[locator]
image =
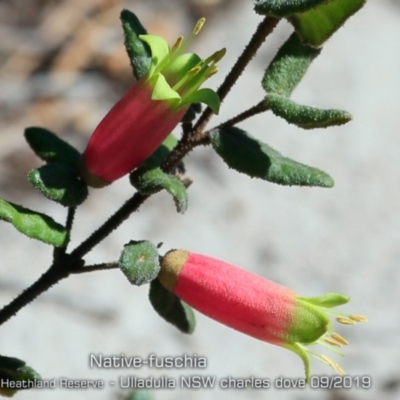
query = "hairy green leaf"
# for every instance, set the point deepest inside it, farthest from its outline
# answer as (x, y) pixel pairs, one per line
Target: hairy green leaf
(138, 52)
(283, 8)
(159, 156)
(139, 262)
(305, 117)
(254, 158)
(171, 308)
(33, 224)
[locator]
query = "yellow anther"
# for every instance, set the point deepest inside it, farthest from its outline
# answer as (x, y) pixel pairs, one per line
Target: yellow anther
(215, 57)
(333, 364)
(211, 71)
(345, 321)
(358, 318)
(199, 25)
(333, 342)
(177, 44)
(339, 338)
(194, 71)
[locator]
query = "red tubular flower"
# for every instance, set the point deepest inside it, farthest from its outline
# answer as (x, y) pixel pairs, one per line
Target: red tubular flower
(146, 115)
(254, 305)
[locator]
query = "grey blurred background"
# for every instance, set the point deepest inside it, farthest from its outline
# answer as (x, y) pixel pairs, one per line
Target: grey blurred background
(63, 65)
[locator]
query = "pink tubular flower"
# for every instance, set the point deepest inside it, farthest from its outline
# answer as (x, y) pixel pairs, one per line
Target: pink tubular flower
(255, 306)
(150, 110)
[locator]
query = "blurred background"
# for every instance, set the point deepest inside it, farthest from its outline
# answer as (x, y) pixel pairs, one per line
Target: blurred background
(63, 65)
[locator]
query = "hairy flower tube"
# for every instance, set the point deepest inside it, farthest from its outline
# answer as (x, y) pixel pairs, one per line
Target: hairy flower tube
(140, 121)
(256, 306)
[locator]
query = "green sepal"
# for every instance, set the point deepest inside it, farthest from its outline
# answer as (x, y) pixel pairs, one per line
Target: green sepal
(159, 156)
(155, 180)
(288, 66)
(15, 370)
(172, 308)
(317, 25)
(284, 8)
(139, 261)
(305, 117)
(33, 224)
(328, 300)
(59, 183)
(50, 148)
(245, 154)
(139, 52)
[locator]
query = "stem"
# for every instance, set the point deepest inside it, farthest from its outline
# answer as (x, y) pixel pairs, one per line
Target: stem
(96, 267)
(263, 30)
(257, 109)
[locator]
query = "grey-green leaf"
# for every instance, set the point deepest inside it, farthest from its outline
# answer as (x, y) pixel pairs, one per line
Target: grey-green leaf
(14, 370)
(49, 147)
(171, 308)
(283, 8)
(33, 224)
(155, 180)
(306, 117)
(139, 261)
(245, 154)
(139, 52)
(289, 66)
(59, 183)
(319, 24)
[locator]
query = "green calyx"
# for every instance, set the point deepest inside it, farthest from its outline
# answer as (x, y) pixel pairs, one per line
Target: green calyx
(176, 77)
(311, 324)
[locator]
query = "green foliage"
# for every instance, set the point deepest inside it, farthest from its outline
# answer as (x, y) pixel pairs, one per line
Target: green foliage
(305, 117)
(141, 394)
(155, 180)
(171, 308)
(284, 8)
(139, 262)
(50, 148)
(138, 52)
(159, 156)
(15, 370)
(288, 66)
(60, 183)
(254, 158)
(33, 224)
(319, 24)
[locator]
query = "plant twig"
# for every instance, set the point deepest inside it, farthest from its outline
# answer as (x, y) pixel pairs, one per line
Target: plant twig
(95, 267)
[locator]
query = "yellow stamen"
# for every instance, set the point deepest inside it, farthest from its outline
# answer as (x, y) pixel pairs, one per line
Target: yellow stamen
(358, 318)
(177, 44)
(211, 71)
(333, 364)
(200, 23)
(333, 342)
(194, 70)
(217, 56)
(345, 321)
(339, 338)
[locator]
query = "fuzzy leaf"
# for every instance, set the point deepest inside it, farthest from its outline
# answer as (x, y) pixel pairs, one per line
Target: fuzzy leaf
(14, 370)
(138, 51)
(50, 148)
(289, 66)
(59, 183)
(258, 160)
(155, 180)
(158, 157)
(139, 262)
(306, 117)
(171, 308)
(33, 224)
(317, 25)
(283, 8)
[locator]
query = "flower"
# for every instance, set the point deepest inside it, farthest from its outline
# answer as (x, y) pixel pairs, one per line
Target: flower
(256, 306)
(140, 121)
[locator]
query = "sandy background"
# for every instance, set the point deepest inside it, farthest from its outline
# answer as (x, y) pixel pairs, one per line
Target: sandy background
(343, 239)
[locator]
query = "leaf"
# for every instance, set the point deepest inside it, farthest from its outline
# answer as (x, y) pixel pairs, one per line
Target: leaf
(317, 25)
(155, 180)
(139, 262)
(59, 183)
(283, 8)
(138, 52)
(33, 224)
(141, 394)
(12, 371)
(49, 147)
(171, 308)
(159, 156)
(289, 66)
(306, 117)
(258, 160)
